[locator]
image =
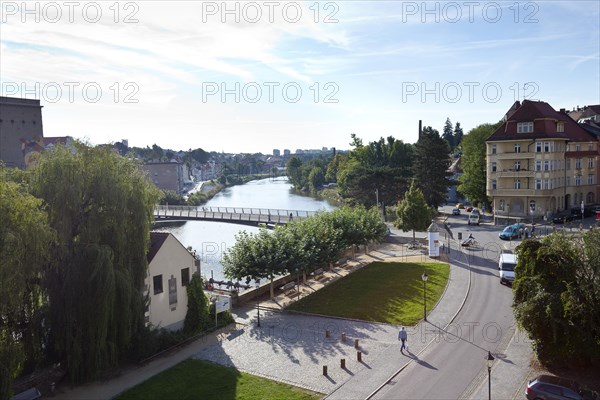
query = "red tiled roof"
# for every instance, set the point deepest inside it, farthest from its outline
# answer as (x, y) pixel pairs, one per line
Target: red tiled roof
(539, 110)
(156, 241)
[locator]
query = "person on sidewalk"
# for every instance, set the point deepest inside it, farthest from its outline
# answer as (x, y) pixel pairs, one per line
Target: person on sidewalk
(402, 336)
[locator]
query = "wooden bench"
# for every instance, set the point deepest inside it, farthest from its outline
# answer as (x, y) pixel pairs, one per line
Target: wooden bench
(289, 288)
(319, 275)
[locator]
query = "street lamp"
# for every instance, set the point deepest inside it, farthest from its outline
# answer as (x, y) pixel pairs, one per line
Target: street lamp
(258, 304)
(490, 361)
(424, 277)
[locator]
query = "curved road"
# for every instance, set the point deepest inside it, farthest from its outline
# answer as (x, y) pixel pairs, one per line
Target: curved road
(455, 365)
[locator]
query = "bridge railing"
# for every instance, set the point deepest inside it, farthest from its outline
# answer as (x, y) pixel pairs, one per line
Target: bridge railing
(232, 213)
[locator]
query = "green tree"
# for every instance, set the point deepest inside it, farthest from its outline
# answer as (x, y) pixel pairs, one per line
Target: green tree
(25, 241)
(172, 198)
(316, 179)
(197, 317)
(431, 166)
(413, 212)
(448, 134)
(458, 134)
(472, 182)
(294, 166)
(557, 296)
(101, 206)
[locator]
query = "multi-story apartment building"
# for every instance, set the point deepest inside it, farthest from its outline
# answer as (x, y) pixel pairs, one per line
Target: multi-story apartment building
(165, 175)
(21, 130)
(540, 162)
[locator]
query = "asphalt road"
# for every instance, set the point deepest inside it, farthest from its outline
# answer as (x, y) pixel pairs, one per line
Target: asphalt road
(455, 365)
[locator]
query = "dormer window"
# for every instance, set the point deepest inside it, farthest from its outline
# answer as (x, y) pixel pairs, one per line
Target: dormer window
(524, 127)
(560, 126)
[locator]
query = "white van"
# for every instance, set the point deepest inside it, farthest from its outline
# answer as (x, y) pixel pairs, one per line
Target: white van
(506, 266)
(474, 218)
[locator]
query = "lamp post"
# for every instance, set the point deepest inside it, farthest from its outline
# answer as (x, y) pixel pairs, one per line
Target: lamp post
(424, 277)
(490, 361)
(298, 273)
(508, 213)
(257, 304)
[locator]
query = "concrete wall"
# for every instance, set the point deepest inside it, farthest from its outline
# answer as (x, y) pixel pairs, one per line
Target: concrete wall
(168, 262)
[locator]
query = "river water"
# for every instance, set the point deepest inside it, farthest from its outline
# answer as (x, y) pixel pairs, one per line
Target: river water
(211, 239)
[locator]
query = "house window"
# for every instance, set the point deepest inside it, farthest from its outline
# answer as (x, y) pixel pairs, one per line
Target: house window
(568, 182)
(577, 180)
(517, 165)
(590, 163)
(524, 127)
(493, 149)
(538, 147)
(546, 147)
(517, 184)
(173, 293)
(578, 163)
(546, 165)
(538, 184)
(546, 184)
(158, 284)
(538, 165)
(568, 164)
(590, 179)
(577, 147)
(590, 146)
(501, 206)
(494, 184)
(560, 127)
(517, 148)
(493, 167)
(185, 276)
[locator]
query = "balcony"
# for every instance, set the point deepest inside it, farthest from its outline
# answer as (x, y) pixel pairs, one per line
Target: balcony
(513, 156)
(518, 192)
(514, 173)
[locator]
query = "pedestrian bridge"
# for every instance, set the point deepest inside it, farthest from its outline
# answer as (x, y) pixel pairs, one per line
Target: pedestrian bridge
(236, 215)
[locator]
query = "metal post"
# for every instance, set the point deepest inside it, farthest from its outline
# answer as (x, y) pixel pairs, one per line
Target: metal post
(425, 300)
(489, 383)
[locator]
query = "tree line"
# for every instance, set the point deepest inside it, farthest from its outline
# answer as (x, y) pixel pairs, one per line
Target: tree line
(382, 170)
(302, 246)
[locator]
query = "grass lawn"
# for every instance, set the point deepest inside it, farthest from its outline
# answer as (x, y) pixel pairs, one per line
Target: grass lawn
(196, 379)
(380, 292)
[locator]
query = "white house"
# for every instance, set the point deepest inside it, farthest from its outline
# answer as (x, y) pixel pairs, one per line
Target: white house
(170, 269)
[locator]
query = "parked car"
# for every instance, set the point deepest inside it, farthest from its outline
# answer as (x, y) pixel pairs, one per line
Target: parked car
(506, 267)
(469, 209)
(561, 219)
(460, 206)
(476, 211)
(456, 211)
(511, 232)
(548, 387)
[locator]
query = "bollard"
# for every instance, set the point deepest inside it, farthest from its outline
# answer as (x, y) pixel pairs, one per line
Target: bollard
(343, 363)
(359, 356)
(327, 333)
(356, 343)
(325, 370)
(343, 336)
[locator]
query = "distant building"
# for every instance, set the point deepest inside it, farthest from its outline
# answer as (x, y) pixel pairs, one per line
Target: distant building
(165, 175)
(21, 130)
(287, 152)
(170, 269)
(540, 161)
(276, 152)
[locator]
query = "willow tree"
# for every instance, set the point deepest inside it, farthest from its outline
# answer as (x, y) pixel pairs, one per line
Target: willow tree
(100, 205)
(25, 238)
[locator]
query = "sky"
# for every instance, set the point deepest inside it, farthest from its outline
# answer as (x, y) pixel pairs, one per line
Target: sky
(256, 76)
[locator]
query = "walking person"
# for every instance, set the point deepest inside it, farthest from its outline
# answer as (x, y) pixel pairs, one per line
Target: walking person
(403, 337)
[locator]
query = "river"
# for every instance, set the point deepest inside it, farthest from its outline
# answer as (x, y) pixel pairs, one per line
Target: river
(211, 239)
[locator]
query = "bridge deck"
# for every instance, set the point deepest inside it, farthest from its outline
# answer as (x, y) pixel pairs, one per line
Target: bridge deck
(240, 215)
